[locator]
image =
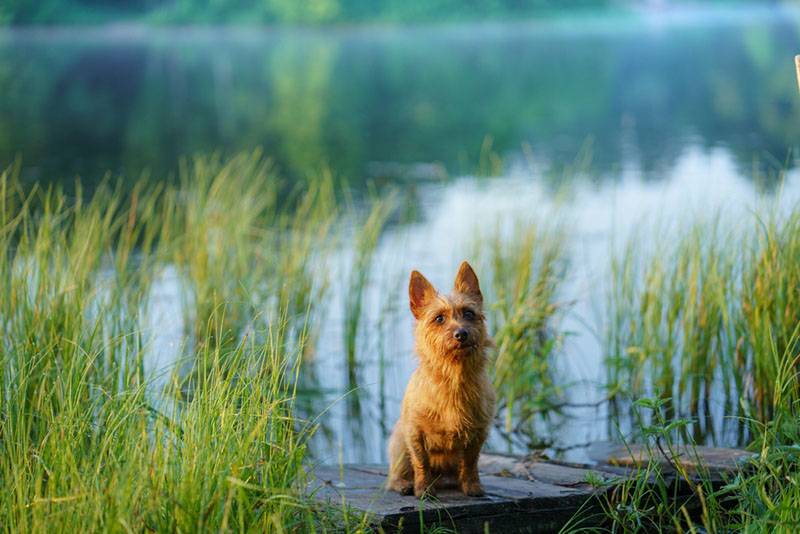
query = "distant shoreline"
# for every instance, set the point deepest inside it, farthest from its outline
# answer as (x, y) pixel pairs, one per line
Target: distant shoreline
(658, 11)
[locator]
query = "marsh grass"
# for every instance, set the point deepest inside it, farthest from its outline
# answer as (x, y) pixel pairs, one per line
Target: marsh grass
(701, 318)
(766, 493)
(527, 266)
(761, 495)
(655, 496)
(241, 240)
(89, 441)
(366, 241)
(708, 317)
(85, 442)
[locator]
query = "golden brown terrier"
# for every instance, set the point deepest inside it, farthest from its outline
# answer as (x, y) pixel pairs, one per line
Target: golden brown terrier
(449, 403)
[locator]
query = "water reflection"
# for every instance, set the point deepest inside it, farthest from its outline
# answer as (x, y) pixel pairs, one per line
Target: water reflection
(601, 218)
(363, 100)
(359, 403)
(605, 123)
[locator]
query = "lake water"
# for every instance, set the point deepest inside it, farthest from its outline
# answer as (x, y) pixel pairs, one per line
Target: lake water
(603, 122)
(387, 103)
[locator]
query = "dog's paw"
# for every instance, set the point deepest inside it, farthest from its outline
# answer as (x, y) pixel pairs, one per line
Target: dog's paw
(424, 490)
(403, 487)
(473, 489)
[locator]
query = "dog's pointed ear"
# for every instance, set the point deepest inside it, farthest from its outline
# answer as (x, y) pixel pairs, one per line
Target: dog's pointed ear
(420, 293)
(467, 282)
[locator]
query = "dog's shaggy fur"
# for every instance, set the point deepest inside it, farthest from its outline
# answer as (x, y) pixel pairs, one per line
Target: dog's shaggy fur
(449, 402)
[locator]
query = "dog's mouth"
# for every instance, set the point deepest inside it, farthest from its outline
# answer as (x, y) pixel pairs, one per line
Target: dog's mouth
(462, 347)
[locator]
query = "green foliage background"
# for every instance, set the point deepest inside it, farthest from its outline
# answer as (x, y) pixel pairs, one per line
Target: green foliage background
(20, 12)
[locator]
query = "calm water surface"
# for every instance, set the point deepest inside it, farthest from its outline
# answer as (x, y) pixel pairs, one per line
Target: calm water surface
(601, 122)
(390, 103)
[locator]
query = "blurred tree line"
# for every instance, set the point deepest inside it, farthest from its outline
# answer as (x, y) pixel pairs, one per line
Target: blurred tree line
(349, 100)
(19, 12)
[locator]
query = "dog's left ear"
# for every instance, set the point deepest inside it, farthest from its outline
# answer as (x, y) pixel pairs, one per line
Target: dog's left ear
(467, 282)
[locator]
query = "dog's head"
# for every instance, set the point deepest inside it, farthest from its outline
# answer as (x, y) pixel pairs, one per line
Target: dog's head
(450, 325)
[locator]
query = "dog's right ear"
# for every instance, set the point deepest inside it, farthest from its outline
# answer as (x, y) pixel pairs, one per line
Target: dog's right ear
(420, 293)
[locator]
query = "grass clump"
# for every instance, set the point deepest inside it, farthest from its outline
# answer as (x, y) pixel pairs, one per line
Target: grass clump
(527, 268)
(241, 240)
(90, 440)
(665, 494)
(366, 243)
(700, 320)
(660, 493)
(766, 494)
(86, 442)
(706, 325)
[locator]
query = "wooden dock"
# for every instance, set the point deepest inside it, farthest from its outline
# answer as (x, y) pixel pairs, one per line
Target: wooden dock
(522, 494)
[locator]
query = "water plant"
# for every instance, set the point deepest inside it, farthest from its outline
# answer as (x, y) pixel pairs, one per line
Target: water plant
(85, 442)
(527, 267)
(709, 318)
(365, 244)
(700, 318)
(90, 439)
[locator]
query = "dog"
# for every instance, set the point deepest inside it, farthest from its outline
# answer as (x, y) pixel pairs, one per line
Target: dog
(448, 405)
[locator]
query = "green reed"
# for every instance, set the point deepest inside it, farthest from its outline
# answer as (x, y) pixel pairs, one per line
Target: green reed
(766, 493)
(365, 245)
(240, 239)
(700, 317)
(522, 293)
(86, 443)
(708, 313)
(761, 495)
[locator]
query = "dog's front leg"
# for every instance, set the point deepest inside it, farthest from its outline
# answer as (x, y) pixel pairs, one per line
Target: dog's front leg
(419, 461)
(468, 469)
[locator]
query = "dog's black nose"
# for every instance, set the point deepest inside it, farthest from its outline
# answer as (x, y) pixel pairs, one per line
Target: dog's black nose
(461, 335)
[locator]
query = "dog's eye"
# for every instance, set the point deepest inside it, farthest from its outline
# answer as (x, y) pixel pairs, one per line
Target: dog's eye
(469, 315)
(439, 318)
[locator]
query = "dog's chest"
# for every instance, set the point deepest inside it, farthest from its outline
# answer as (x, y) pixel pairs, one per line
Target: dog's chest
(443, 442)
(453, 419)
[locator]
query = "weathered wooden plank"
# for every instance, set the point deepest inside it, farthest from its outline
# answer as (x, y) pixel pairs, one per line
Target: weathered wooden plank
(536, 469)
(522, 494)
(511, 504)
(690, 458)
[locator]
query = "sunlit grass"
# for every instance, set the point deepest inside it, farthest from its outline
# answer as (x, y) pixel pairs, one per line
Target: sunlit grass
(701, 316)
(85, 443)
(526, 267)
(709, 317)
(88, 442)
